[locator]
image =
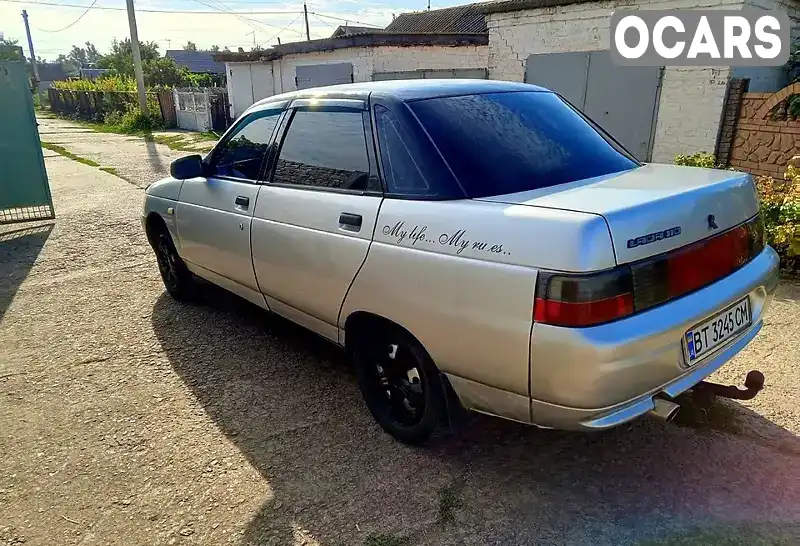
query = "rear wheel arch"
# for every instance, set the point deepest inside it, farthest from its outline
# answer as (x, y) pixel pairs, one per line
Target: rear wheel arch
(360, 322)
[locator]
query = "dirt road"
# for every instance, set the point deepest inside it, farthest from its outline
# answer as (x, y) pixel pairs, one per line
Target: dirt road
(128, 418)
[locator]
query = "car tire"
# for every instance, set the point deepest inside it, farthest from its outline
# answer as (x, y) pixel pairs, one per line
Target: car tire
(403, 389)
(178, 280)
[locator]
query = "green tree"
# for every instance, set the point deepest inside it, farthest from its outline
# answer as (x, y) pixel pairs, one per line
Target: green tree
(190, 46)
(214, 49)
(163, 72)
(84, 57)
(121, 56)
(11, 51)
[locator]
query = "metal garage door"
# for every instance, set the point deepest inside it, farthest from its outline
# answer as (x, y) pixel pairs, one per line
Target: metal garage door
(240, 88)
(318, 75)
(622, 99)
(469, 73)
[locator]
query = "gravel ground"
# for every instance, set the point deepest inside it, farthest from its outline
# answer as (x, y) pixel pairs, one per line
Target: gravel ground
(128, 418)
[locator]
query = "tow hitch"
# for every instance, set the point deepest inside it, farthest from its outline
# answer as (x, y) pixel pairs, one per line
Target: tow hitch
(705, 391)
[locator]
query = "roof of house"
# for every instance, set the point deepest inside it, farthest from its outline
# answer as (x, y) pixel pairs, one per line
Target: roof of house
(51, 72)
(196, 62)
(500, 6)
(373, 39)
(405, 90)
(467, 19)
(346, 30)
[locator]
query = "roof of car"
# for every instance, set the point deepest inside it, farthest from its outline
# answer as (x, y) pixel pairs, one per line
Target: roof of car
(405, 90)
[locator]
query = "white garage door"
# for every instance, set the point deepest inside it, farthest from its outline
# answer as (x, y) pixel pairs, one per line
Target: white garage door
(621, 99)
(240, 88)
(319, 75)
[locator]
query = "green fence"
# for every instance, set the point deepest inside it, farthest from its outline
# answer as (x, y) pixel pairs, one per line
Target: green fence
(24, 191)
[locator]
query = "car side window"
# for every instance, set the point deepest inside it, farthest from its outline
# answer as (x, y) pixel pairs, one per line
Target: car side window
(324, 149)
(400, 170)
(242, 153)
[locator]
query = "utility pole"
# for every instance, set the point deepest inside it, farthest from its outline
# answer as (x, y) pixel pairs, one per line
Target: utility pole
(305, 14)
(137, 57)
(30, 47)
(429, 5)
(254, 38)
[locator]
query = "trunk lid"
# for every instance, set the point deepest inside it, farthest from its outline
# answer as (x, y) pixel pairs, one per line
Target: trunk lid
(653, 208)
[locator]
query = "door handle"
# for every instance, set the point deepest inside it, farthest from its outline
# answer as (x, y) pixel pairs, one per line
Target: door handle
(242, 201)
(348, 219)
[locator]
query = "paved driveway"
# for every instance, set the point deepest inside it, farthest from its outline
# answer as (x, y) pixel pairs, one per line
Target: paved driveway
(128, 418)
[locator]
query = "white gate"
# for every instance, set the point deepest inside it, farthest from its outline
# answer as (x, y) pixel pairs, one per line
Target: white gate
(193, 109)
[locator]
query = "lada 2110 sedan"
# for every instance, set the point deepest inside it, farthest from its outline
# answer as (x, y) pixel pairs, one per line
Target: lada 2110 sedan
(475, 242)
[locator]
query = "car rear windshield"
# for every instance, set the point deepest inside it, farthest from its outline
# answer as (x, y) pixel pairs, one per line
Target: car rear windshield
(502, 143)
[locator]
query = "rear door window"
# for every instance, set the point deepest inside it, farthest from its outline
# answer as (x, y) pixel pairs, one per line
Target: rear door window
(324, 149)
(501, 143)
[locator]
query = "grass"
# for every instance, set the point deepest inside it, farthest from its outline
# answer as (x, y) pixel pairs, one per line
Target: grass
(114, 171)
(66, 153)
(185, 142)
(385, 540)
(449, 502)
(60, 150)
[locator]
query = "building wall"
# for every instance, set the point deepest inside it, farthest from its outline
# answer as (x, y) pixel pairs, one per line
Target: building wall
(769, 79)
(692, 98)
(368, 60)
(278, 76)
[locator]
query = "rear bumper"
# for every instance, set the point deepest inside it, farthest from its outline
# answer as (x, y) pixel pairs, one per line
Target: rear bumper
(599, 377)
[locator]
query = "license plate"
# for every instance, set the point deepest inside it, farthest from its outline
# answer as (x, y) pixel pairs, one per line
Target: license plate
(706, 337)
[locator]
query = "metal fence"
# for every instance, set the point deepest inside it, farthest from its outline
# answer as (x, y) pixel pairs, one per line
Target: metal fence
(202, 109)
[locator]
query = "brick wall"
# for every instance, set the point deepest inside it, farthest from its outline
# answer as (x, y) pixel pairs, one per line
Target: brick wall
(761, 144)
(692, 98)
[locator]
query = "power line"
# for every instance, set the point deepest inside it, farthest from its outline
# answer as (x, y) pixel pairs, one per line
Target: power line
(73, 23)
(279, 32)
(227, 10)
(337, 19)
(145, 10)
(322, 21)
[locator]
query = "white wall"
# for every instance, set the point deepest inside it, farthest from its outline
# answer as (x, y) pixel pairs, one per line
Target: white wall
(250, 82)
(692, 98)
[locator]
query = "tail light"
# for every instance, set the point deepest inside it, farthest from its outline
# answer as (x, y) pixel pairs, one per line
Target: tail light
(592, 299)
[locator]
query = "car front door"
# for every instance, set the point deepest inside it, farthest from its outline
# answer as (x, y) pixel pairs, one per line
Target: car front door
(215, 212)
(315, 219)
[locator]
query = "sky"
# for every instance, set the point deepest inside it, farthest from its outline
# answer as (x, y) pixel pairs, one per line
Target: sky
(55, 28)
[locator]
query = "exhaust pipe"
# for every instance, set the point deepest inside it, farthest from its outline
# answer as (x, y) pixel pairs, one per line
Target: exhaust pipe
(664, 409)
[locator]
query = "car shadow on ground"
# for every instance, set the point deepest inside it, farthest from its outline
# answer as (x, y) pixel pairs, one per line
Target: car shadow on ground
(19, 248)
(289, 401)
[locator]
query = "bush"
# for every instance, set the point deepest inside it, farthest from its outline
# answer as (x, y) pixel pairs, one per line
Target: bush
(780, 209)
(700, 159)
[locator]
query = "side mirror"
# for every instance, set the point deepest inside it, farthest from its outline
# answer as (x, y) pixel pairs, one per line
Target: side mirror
(190, 166)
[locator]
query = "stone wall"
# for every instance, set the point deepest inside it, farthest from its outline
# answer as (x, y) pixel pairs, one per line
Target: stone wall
(765, 137)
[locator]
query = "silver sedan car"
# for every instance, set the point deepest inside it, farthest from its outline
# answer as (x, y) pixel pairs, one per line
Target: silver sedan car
(473, 243)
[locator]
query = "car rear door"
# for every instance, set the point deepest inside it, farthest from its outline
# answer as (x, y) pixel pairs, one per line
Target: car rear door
(315, 219)
(214, 213)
